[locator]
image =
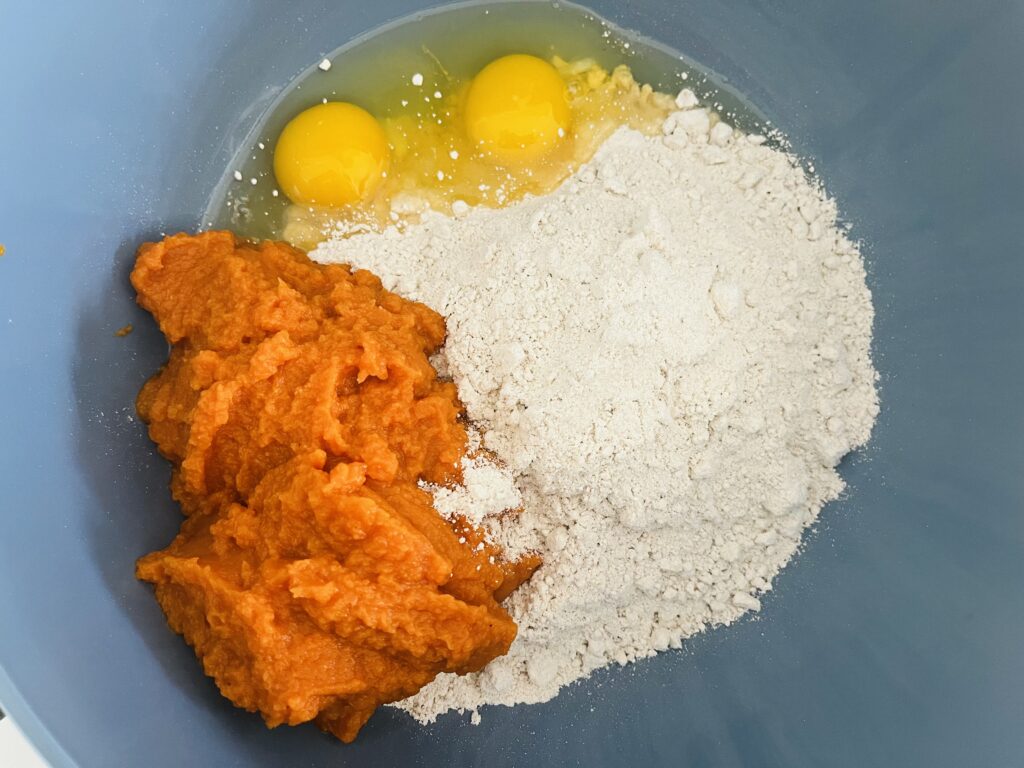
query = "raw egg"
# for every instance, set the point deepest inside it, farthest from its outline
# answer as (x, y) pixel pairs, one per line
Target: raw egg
(333, 155)
(517, 108)
(517, 127)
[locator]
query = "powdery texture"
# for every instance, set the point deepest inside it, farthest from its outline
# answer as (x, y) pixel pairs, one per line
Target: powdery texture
(487, 492)
(671, 355)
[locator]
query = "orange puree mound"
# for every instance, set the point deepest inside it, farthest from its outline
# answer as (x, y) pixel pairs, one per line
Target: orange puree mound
(312, 575)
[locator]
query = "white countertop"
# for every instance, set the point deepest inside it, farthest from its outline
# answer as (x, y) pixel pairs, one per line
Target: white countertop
(15, 751)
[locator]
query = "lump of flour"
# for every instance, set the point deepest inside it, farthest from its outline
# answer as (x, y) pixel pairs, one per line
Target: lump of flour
(670, 355)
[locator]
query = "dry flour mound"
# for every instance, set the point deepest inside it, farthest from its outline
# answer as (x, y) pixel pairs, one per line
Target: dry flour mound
(671, 355)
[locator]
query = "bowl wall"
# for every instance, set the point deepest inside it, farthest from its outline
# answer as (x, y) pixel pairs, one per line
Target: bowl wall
(894, 638)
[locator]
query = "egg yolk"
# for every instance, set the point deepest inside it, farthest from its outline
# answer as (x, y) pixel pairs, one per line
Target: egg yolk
(517, 108)
(331, 155)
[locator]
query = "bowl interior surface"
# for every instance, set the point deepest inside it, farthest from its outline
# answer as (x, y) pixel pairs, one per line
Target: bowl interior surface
(893, 639)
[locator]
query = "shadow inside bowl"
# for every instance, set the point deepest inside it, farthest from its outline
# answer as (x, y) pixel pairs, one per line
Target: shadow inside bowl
(127, 476)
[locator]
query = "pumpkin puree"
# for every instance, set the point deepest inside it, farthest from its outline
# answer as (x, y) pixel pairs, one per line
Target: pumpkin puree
(312, 575)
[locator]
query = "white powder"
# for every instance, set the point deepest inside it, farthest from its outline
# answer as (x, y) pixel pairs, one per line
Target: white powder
(671, 354)
(487, 492)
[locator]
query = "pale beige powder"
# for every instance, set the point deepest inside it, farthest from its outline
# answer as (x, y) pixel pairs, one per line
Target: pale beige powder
(670, 353)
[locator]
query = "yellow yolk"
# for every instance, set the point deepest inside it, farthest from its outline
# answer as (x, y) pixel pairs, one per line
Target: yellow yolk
(333, 154)
(517, 108)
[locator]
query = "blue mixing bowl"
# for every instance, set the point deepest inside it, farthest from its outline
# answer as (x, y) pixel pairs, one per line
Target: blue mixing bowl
(895, 638)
